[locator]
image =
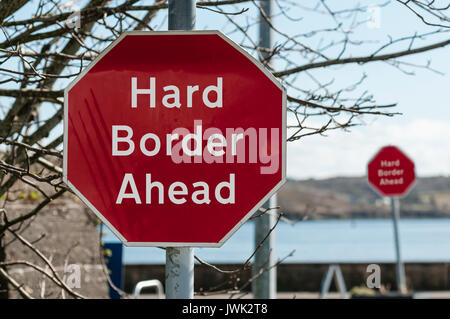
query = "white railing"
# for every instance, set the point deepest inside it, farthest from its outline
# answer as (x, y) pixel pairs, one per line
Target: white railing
(148, 284)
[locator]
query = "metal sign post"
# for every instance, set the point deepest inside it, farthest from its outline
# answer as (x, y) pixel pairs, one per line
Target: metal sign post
(395, 204)
(179, 273)
(180, 261)
(264, 286)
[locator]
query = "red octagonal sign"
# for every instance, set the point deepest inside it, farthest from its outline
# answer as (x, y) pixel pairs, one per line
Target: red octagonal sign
(391, 172)
(174, 138)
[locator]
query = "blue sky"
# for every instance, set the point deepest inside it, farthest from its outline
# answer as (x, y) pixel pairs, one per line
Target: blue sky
(422, 131)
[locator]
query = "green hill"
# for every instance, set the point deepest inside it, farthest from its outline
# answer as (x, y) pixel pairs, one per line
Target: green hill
(352, 197)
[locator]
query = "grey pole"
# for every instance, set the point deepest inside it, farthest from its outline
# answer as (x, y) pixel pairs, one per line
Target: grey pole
(179, 273)
(395, 203)
(181, 14)
(180, 261)
(265, 286)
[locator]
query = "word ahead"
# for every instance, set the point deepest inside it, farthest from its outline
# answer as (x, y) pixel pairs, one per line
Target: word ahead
(391, 172)
(177, 191)
(174, 147)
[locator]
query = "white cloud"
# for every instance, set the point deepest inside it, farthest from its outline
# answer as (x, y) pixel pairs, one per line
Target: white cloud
(426, 141)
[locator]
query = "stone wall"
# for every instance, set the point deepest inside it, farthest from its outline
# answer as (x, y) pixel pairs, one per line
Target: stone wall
(66, 233)
(303, 277)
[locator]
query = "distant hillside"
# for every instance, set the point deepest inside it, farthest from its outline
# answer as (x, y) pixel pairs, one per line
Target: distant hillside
(340, 197)
(350, 197)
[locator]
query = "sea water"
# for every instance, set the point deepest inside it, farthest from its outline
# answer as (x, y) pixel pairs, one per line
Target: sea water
(325, 241)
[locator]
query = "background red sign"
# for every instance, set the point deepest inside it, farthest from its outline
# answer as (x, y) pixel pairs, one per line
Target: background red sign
(228, 89)
(391, 172)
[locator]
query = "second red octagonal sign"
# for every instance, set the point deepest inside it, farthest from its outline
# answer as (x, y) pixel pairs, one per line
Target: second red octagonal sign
(391, 172)
(174, 138)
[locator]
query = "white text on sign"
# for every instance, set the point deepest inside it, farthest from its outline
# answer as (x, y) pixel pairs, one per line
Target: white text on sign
(259, 146)
(390, 173)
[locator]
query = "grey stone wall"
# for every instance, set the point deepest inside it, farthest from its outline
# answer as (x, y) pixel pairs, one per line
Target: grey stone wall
(66, 233)
(303, 277)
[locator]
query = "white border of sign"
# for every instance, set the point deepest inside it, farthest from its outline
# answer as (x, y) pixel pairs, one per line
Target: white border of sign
(374, 188)
(250, 213)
